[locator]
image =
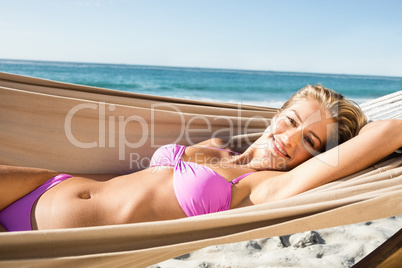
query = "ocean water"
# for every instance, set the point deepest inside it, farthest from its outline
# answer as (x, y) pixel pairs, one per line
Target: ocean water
(264, 88)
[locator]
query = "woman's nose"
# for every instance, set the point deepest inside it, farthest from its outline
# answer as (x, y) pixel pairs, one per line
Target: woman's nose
(292, 136)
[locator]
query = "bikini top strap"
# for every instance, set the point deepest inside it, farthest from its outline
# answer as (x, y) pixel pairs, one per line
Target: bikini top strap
(233, 182)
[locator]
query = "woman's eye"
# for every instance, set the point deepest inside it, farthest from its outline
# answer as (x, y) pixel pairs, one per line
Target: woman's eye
(293, 122)
(309, 141)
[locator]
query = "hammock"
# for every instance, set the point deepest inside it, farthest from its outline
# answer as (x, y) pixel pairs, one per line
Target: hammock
(43, 123)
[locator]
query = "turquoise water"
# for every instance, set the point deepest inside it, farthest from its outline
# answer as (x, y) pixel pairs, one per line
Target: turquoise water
(267, 88)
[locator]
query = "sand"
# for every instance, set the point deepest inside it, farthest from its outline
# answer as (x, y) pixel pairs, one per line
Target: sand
(341, 246)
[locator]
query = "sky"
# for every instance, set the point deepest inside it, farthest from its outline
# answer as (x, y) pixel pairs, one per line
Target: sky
(343, 37)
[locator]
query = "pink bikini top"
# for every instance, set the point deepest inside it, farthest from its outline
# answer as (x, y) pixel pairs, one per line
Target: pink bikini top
(199, 189)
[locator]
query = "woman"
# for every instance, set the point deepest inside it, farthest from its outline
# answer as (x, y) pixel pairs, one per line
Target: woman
(207, 177)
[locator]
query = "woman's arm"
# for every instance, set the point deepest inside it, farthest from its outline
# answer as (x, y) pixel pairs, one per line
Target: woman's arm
(16, 182)
(375, 141)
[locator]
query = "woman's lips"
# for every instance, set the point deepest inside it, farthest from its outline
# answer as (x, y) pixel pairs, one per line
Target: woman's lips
(278, 147)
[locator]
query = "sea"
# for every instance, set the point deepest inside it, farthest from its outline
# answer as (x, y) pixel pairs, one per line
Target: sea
(261, 88)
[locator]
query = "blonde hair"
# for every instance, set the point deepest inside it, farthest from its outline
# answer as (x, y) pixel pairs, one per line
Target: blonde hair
(347, 114)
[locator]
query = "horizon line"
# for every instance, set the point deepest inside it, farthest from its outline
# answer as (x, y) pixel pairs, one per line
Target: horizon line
(204, 68)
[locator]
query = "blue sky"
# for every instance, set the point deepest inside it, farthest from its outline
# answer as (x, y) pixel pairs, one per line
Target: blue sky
(348, 37)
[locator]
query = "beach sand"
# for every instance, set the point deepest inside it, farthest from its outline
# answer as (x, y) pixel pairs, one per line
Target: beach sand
(341, 246)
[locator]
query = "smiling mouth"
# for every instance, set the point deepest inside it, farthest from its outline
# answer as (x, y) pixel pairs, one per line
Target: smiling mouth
(277, 146)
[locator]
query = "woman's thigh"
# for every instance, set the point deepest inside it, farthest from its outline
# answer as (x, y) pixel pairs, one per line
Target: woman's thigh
(16, 182)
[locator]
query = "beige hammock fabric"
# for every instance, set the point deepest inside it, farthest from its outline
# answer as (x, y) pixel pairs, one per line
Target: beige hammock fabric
(80, 129)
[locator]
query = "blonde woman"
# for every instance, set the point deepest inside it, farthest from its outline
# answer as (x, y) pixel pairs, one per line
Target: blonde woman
(293, 155)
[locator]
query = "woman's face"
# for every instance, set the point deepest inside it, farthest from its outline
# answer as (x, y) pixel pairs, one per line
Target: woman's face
(295, 135)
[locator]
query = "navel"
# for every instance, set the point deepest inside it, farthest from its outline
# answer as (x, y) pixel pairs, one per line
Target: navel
(84, 195)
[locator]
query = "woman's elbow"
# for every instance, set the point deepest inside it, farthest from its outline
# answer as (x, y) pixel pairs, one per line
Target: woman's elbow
(392, 128)
(389, 130)
(388, 126)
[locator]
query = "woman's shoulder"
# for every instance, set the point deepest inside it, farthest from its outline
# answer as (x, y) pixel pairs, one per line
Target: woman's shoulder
(213, 143)
(215, 149)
